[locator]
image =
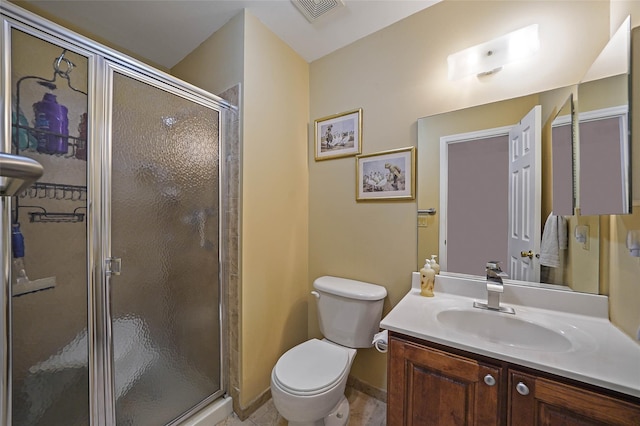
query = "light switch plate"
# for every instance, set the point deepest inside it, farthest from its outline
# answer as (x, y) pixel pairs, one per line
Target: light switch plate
(581, 234)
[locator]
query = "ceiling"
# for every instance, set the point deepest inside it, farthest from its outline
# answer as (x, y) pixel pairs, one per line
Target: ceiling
(165, 31)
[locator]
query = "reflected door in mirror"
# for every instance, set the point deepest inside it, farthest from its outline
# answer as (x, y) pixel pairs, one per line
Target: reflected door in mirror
(603, 160)
(524, 199)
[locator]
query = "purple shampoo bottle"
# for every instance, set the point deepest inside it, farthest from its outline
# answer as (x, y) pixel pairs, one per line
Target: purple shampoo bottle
(52, 117)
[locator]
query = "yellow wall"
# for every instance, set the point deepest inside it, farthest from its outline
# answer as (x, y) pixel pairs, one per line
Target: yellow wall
(624, 270)
(274, 236)
(397, 75)
(218, 63)
(274, 115)
(73, 26)
(275, 204)
(620, 9)
(300, 219)
(368, 241)
(624, 291)
(275, 87)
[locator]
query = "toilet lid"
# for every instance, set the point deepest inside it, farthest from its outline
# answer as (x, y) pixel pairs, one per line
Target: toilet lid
(311, 367)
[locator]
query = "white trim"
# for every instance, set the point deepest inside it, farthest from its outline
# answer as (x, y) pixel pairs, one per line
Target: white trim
(561, 120)
(599, 114)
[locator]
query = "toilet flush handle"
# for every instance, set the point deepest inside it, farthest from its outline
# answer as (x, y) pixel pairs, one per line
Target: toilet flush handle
(316, 294)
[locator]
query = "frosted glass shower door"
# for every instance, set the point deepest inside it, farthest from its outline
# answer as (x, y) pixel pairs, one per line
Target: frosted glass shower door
(165, 306)
(48, 288)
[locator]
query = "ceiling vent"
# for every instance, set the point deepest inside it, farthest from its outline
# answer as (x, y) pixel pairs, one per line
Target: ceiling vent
(314, 9)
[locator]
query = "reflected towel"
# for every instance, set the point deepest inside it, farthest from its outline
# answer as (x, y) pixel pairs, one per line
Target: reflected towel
(554, 239)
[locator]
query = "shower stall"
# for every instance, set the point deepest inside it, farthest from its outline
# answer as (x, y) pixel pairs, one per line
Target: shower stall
(111, 298)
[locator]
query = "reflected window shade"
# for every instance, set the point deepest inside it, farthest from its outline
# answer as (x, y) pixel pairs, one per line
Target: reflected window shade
(477, 211)
(601, 173)
(562, 159)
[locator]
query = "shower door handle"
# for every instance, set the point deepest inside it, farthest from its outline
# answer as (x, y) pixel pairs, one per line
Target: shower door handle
(114, 265)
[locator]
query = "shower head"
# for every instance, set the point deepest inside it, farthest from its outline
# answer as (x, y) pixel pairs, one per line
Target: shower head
(17, 173)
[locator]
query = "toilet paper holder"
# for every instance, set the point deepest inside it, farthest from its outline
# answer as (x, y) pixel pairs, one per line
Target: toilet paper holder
(381, 341)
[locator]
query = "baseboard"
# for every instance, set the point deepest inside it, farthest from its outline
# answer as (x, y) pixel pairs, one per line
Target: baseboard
(243, 413)
(359, 385)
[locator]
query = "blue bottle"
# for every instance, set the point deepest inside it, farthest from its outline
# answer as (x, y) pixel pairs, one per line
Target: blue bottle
(17, 241)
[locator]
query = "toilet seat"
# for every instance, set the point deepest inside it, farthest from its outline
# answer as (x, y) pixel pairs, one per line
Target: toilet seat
(311, 367)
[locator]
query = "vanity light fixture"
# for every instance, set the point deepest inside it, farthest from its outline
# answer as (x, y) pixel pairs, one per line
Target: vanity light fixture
(489, 57)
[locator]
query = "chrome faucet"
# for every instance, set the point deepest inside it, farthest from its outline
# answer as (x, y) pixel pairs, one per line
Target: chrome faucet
(494, 289)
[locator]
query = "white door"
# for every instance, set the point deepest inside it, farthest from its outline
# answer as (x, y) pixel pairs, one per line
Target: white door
(524, 197)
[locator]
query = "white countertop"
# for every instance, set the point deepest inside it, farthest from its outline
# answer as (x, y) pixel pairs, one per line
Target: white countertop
(601, 354)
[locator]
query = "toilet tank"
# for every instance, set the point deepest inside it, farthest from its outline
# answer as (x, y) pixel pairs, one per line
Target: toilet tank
(349, 311)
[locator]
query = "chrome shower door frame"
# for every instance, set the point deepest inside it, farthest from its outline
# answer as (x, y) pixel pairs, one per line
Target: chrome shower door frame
(107, 69)
(13, 17)
(102, 62)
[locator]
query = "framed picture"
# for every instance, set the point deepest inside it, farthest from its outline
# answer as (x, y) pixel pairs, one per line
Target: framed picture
(338, 135)
(388, 175)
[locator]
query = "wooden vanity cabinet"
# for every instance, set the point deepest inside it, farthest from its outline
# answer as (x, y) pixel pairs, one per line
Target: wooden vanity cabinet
(432, 385)
(427, 386)
(539, 401)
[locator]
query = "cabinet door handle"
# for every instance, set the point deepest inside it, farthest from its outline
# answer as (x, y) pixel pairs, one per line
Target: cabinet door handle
(522, 389)
(489, 380)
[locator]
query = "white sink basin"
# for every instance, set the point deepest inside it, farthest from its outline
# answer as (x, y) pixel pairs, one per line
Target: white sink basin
(504, 329)
(563, 333)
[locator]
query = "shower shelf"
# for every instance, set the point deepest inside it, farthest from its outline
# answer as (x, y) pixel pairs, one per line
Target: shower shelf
(74, 142)
(43, 216)
(25, 138)
(62, 68)
(55, 191)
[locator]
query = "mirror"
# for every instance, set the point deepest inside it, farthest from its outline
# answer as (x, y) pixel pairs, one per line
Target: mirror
(603, 127)
(562, 148)
(480, 134)
(562, 190)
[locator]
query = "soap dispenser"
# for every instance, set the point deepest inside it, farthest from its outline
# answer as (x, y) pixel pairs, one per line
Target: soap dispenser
(434, 264)
(427, 279)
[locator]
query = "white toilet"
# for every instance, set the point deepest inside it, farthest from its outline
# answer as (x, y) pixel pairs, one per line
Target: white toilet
(308, 381)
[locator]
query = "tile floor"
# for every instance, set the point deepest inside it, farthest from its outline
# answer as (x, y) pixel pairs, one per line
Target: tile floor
(364, 411)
